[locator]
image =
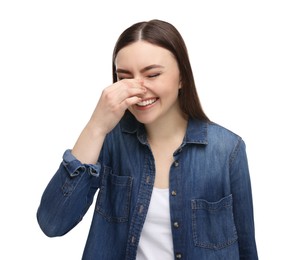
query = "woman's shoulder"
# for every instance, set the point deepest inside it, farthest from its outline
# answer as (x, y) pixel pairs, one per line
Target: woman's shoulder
(218, 134)
(216, 128)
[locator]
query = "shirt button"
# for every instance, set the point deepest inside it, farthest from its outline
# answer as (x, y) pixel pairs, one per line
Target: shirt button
(176, 224)
(148, 179)
(174, 193)
(132, 239)
(178, 255)
(176, 163)
(140, 209)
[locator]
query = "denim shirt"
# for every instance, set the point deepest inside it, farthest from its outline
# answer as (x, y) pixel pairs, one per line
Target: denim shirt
(210, 199)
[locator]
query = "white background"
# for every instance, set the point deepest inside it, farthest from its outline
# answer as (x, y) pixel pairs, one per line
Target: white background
(55, 58)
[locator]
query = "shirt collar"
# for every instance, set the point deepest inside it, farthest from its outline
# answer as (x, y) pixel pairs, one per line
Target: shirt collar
(197, 130)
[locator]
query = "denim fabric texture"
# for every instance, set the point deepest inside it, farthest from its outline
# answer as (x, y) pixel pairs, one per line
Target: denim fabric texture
(210, 195)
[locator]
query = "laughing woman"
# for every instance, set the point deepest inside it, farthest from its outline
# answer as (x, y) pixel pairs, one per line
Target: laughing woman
(171, 183)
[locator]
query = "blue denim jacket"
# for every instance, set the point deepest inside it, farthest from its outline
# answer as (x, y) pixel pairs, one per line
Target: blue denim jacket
(210, 195)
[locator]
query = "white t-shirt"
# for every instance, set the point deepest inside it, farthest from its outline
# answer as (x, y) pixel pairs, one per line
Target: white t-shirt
(156, 238)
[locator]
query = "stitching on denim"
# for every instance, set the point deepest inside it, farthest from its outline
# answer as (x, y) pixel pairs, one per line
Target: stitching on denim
(235, 152)
(227, 203)
(99, 205)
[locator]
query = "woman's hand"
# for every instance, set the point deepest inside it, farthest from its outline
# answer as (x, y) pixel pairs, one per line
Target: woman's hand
(110, 108)
(114, 101)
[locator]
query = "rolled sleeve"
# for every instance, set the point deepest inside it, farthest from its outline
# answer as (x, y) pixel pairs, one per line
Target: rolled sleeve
(75, 167)
(68, 195)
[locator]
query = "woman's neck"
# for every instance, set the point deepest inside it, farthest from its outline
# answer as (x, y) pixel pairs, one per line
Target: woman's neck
(173, 128)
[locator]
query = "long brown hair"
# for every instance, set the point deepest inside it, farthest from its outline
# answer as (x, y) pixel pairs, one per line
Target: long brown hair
(165, 35)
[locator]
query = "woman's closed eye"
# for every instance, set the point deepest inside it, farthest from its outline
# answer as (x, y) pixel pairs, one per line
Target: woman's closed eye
(121, 78)
(153, 75)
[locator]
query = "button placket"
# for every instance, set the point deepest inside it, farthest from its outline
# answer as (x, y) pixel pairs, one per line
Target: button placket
(176, 216)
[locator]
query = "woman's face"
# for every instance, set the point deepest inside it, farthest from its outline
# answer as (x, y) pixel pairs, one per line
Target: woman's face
(157, 68)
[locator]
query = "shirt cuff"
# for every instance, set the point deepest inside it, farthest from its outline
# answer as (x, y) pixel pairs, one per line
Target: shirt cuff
(75, 167)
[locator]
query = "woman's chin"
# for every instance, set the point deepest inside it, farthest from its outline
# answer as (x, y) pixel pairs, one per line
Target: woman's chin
(143, 118)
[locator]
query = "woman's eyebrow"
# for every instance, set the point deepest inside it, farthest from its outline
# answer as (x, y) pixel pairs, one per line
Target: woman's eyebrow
(123, 71)
(154, 66)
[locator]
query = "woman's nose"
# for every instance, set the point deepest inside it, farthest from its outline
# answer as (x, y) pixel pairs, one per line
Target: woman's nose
(142, 81)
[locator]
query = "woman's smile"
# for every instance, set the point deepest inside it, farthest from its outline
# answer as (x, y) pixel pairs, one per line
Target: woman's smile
(146, 103)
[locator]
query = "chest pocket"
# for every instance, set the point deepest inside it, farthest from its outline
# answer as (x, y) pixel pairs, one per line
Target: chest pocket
(113, 201)
(213, 223)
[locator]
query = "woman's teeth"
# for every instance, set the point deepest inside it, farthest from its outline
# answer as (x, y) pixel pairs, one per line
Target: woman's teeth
(147, 102)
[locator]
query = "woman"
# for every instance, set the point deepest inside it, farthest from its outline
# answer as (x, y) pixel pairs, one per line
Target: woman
(172, 184)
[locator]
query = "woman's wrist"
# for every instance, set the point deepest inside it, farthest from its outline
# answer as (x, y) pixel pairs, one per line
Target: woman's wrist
(89, 144)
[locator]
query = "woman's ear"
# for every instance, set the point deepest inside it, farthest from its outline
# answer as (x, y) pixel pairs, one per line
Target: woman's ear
(180, 83)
